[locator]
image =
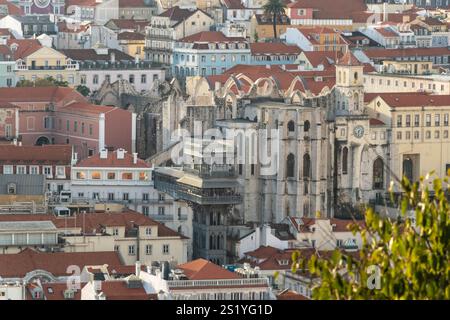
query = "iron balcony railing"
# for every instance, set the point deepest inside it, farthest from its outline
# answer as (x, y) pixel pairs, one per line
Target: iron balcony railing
(218, 283)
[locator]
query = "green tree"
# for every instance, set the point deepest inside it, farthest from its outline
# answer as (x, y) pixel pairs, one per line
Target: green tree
(274, 8)
(42, 82)
(410, 254)
(85, 91)
(256, 36)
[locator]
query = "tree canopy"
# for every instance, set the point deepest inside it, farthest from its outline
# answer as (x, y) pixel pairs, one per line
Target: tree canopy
(403, 258)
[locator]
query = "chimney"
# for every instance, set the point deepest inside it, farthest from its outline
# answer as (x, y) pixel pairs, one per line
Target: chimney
(113, 57)
(217, 86)
(120, 153)
(138, 269)
(104, 154)
(135, 156)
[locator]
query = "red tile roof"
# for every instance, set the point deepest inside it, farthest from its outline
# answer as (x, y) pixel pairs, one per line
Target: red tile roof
(118, 290)
(112, 161)
(38, 94)
(412, 99)
(129, 24)
(386, 32)
(24, 47)
(211, 36)
(131, 36)
(348, 60)
(291, 295)
(86, 107)
(19, 264)
(178, 14)
(233, 4)
(12, 8)
(273, 48)
(326, 9)
(321, 57)
(408, 52)
(90, 222)
(376, 122)
(91, 54)
(202, 269)
(262, 252)
(55, 291)
(81, 3)
(48, 154)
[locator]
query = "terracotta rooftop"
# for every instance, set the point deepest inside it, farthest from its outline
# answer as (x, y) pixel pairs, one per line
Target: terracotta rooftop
(376, 122)
(262, 252)
(86, 107)
(177, 14)
(95, 222)
(233, 4)
(91, 54)
(38, 94)
(413, 99)
(408, 52)
(322, 57)
(48, 154)
(202, 269)
(273, 49)
(211, 36)
(386, 32)
(118, 290)
(55, 291)
(24, 47)
(81, 3)
(113, 161)
(291, 295)
(130, 36)
(326, 9)
(348, 60)
(12, 8)
(19, 264)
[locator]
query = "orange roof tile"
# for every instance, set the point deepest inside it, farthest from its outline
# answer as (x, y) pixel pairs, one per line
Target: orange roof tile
(202, 269)
(49, 154)
(112, 161)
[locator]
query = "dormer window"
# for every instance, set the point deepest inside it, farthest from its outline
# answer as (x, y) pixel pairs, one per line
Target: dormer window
(12, 188)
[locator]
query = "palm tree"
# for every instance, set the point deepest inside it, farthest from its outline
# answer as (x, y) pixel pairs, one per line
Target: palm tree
(274, 8)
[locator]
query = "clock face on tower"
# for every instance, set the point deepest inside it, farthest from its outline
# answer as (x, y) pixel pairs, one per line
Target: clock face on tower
(358, 131)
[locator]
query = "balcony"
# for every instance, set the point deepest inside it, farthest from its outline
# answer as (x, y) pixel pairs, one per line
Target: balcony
(180, 284)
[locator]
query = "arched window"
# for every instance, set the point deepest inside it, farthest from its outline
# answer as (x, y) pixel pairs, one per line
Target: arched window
(12, 188)
(378, 174)
(290, 164)
(345, 160)
(211, 242)
(355, 76)
(356, 101)
(306, 126)
(291, 126)
(408, 168)
(306, 166)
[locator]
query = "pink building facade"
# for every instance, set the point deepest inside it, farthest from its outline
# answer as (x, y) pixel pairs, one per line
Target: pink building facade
(51, 115)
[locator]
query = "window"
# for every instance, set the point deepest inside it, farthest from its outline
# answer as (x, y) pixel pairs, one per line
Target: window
(407, 135)
(95, 79)
(165, 249)
(436, 134)
(416, 120)
(161, 211)
(306, 126)
(148, 231)
(131, 250)
(290, 164)
(306, 166)
(399, 135)
(111, 175)
(60, 172)
(416, 134)
(125, 196)
(127, 176)
(446, 119)
(116, 248)
(75, 126)
(428, 134)
(445, 134)
(131, 78)
(34, 170)
(143, 78)
(81, 175)
(408, 120)
(8, 169)
(145, 210)
(148, 249)
(21, 170)
(91, 129)
(96, 175)
(143, 176)
(12, 188)
(252, 169)
(399, 121)
(428, 120)
(48, 171)
(115, 232)
(110, 196)
(291, 126)
(345, 160)
(161, 197)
